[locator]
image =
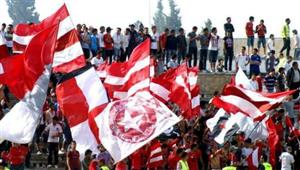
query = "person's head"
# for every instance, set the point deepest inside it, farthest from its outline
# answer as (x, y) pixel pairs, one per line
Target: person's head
(272, 72)
(88, 154)
(290, 58)
(281, 55)
(181, 31)
(195, 29)
(73, 145)
(251, 19)
(3, 27)
(174, 57)
(153, 28)
(272, 36)
(295, 32)
(101, 162)
(287, 21)
(220, 61)
(173, 32)
(262, 21)
(228, 19)
(184, 156)
(281, 70)
(102, 29)
(119, 30)
(205, 31)
(146, 30)
(132, 27)
(214, 30)
(108, 30)
(79, 27)
(188, 56)
(127, 31)
(255, 51)
(194, 147)
(272, 52)
(248, 142)
(289, 149)
(243, 49)
(167, 31)
(101, 148)
(253, 77)
(10, 28)
(179, 151)
(263, 158)
(295, 65)
(95, 31)
(55, 120)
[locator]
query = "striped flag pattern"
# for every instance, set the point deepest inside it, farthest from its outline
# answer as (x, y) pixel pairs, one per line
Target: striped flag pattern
(155, 159)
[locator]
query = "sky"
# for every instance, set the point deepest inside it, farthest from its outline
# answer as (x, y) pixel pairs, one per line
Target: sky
(120, 13)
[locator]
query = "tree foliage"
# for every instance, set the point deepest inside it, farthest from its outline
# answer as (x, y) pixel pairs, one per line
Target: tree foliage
(159, 17)
(22, 11)
(174, 20)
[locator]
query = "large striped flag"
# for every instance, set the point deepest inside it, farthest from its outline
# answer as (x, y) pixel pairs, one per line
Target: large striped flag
(27, 76)
(68, 53)
(125, 79)
(155, 158)
(3, 47)
(81, 95)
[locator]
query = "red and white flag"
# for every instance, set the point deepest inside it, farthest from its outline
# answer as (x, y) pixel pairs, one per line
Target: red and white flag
(27, 76)
(68, 53)
(3, 47)
(194, 89)
(253, 160)
(125, 79)
(128, 124)
(155, 159)
(81, 95)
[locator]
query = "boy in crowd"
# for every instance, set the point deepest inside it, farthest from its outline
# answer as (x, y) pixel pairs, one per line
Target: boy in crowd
(250, 34)
(242, 60)
(255, 62)
(270, 81)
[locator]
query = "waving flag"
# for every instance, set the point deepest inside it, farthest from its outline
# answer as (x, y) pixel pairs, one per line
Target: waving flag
(68, 54)
(155, 159)
(128, 124)
(81, 95)
(27, 76)
(3, 47)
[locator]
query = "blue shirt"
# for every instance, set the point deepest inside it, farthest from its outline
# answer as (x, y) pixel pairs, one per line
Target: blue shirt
(94, 43)
(254, 68)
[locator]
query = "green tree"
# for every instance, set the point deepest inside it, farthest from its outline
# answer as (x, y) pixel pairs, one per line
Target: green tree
(208, 24)
(174, 20)
(159, 17)
(22, 11)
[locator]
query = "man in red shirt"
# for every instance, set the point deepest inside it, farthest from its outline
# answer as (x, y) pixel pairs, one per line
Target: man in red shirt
(173, 159)
(261, 31)
(163, 42)
(250, 34)
(108, 45)
(194, 157)
(73, 158)
(16, 156)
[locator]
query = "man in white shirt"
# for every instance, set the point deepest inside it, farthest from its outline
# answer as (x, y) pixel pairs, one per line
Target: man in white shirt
(118, 41)
(55, 131)
(2, 31)
(154, 40)
(97, 60)
(271, 44)
(296, 44)
(242, 60)
(253, 83)
(287, 159)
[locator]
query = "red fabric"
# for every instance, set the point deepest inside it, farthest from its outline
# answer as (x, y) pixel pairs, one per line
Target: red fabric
(173, 160)
(260, 83)
(193, 159)
(74, 161)
(108, 42)
(273, 139)
(249, 29)
(93, 165)
(121, 165)
(163, 40)
(137, 160)
(155, 157)
(16, 155)
(22, 71)
(261, 30)
(3, 51)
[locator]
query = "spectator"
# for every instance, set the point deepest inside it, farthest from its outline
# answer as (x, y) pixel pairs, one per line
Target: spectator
(193, 46)
(288, 63)
(174, 158)
(287, 159)
(271, 61)
(183, 163)
(162, 43)
(9, 38)
(296, 44)
(220, 66)
(181, 45)
(108, 45)
(85, 43)
(289, 105)
(146, 32)
(171, 45)
(104, 155)
(154, 41)
(94, 42)
(271, 43)
(94, 165)
(101, 40)
(254, 83)
(281, 82)
(204, 42)
(293, 78)
(285, 33)
(228, 27)
(125, 40)
(102, 165)
(195, 157)
(86, 160)
(250, 34)
(97, 60)
(270, 81)
(2, 31)
(242, 60)
(16, 156)
(73, 161)
(122, 165)
(255, 62)
(133, 40)
(118, 42)
(137, 159)
(172, 63)
(228, 51)
(55, 131)
(261, 31)
(281, 61)
(246, 151)
(213, 48)
(263, 163)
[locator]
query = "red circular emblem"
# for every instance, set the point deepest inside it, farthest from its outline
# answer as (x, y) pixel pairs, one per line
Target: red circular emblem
(133, 120)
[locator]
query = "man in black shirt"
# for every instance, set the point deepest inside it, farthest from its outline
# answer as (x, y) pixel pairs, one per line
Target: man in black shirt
(181, 45)
(228, 27)
(171, 45)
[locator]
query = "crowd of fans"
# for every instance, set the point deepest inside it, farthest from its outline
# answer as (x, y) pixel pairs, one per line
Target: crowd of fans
(189, 144)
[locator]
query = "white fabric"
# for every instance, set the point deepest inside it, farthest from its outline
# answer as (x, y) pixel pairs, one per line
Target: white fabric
(270, 45)
(54, 130)
(2, 40)
(1, 69)
(119, 148)
(19, 124)
(160, 91)
(241, 61)
(254, 85)
(296, 41)
(172, 64)
(214, 42)
(117, 40)
(246, 152)
(155, 39)
(242, 80)
(212, 122)
(96, 61)
(68, 54)
(286, 161)
(101, 41)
